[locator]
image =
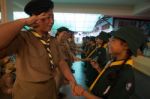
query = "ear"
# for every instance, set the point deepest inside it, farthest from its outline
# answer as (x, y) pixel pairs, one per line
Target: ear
(125, 46)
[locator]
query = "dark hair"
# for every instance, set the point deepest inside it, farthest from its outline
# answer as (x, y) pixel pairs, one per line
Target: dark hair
(61, 29)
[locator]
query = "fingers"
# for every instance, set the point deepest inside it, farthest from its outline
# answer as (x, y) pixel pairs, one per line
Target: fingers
(35, 19)
(79, 90)
(42, 16)
(73, 88)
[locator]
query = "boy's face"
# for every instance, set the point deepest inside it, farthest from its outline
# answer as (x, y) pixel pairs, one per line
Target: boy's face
(92, 43)
(45, 25)
(116, 46)
(99, 41)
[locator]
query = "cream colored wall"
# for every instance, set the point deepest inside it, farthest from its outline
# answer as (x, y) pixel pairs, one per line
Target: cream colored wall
(142, 64)
(6, 10)
(106, 10)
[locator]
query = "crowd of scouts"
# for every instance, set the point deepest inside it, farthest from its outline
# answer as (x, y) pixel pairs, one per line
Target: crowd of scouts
(43, 63)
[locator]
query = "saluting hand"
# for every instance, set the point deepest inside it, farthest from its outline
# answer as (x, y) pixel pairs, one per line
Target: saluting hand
(33, 20)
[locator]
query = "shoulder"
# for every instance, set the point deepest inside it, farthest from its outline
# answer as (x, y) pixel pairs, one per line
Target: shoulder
(127, 73)
(25, 34)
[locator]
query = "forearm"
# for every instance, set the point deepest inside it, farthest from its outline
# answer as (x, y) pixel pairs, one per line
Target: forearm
(98, 69)
(66, 71)
(9, 30)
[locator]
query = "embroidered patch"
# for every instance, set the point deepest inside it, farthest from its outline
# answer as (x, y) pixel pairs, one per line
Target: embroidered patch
(128, 86)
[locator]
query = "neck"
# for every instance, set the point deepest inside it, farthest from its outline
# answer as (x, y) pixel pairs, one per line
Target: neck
(122, 56)
(43, 34)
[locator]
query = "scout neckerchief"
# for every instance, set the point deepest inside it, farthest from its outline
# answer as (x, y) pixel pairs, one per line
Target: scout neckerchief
(105, 45)
(46, 44)
(109, 64)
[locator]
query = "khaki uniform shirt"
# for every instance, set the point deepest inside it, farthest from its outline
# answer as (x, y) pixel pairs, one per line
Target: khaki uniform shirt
(32, 63)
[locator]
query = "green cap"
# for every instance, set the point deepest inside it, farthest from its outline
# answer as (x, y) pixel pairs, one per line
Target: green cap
(133, 36)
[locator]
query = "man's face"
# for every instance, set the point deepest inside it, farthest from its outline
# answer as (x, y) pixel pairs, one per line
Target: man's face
(45, 25)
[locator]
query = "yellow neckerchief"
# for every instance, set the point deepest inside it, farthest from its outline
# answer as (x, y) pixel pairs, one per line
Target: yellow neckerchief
(99, 46)
(93, 51)
(109, 64)
(117, 63)
(105, 45)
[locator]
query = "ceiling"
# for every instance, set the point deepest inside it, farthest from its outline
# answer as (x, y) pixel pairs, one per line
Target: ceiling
(134, 8)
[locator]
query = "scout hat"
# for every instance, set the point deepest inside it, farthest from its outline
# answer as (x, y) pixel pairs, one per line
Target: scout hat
(38, 6)
(104, 36)
(61, 29)
(133, 37)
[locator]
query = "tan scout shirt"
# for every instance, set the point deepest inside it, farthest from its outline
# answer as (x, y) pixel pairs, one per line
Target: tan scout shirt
(32, 63)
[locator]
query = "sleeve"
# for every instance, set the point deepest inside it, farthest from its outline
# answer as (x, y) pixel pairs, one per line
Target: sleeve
(102, 85)
(102, 57)
(124, 87)
(60, 56)
(13, 47)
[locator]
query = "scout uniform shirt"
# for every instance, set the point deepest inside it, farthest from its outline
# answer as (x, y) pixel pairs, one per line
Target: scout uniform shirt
(32, 62)
(99, 56)
(117, 82)
(65, 51)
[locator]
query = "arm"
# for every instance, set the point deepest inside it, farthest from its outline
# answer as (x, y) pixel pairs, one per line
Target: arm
(9, 30)
(66, 71)
(68, 75)
(96, 66)
(81, 92)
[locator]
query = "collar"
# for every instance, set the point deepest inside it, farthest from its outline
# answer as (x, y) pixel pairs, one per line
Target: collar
(105, 45)
(38, 35)
(129, 62)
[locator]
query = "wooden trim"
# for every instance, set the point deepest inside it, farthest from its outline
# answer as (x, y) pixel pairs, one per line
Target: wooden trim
(3, 11)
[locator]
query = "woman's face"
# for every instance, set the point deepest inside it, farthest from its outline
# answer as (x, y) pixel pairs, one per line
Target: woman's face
(45, 25)
(116, 46)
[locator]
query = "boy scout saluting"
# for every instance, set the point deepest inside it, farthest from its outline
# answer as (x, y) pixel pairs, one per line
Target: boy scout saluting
(116, 81)
(37, 53)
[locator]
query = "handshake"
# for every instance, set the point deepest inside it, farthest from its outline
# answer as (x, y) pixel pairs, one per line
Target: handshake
(78, 90)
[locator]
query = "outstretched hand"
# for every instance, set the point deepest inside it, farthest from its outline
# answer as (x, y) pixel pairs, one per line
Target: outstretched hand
(79, 90)
(94, 64)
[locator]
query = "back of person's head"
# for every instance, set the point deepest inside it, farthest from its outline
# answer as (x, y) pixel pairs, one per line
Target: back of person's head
(61, 29)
